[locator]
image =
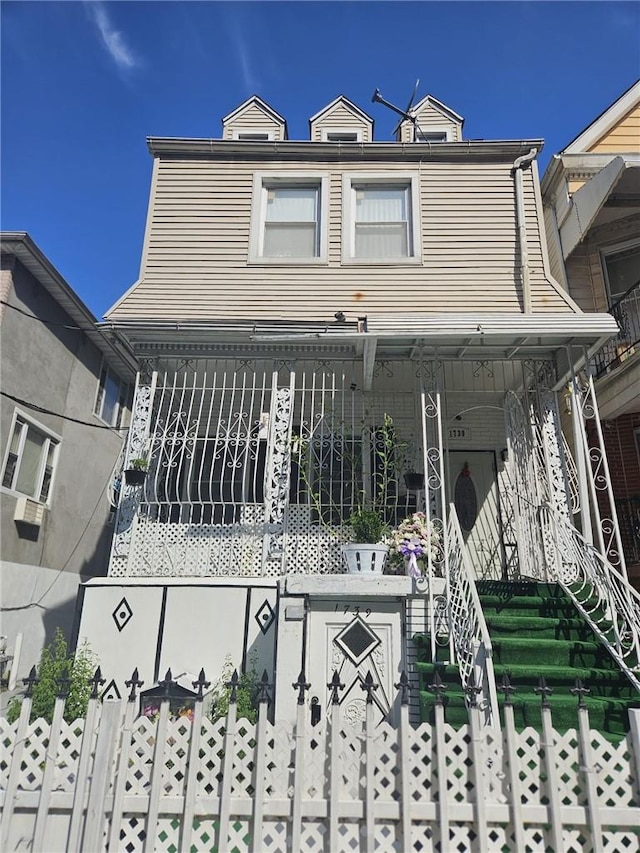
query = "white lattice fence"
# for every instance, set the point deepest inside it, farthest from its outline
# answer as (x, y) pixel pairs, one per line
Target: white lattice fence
(117, 782)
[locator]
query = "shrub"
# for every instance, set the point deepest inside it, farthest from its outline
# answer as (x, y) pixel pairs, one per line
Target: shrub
(56, 662)
(246, 693)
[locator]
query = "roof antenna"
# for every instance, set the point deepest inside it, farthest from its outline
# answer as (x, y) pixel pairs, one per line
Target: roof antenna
(406, 114)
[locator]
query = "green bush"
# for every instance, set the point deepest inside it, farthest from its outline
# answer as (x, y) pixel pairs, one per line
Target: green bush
(368, 526)
(246, 693)
(56, 662)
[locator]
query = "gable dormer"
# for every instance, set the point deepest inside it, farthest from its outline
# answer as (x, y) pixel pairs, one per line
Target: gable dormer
(254, 121)
(434, 122)
(341, 121)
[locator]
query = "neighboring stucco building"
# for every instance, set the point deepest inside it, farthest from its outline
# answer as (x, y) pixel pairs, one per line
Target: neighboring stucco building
(591, 192)
(306, 310)
(65, 409)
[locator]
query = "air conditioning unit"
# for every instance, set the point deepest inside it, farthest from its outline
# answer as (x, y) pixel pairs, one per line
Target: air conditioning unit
(29, 512)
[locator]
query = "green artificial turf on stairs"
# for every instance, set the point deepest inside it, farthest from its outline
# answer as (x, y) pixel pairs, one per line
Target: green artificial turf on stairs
(536, 631)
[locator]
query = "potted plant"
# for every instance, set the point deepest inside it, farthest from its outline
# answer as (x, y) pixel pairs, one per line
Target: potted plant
(136, 471)
(367, 553)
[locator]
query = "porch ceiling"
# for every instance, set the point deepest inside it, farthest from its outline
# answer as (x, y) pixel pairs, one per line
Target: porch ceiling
(393, 337)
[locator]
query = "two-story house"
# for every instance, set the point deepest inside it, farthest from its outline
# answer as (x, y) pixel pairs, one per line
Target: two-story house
(591, 192)
(65, 410)
(304, 309)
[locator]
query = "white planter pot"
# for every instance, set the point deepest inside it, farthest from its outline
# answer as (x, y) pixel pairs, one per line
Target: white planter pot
(365, 559)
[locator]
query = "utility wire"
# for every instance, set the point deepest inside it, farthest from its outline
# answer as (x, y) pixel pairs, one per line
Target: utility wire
(47, 322)
(58, 415)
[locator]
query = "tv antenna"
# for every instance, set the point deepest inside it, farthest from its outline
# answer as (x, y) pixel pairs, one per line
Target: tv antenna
(406, 114)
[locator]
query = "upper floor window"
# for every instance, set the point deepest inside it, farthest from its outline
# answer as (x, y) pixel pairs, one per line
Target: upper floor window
(289, 219)
(30, 459)
(111, 398)
(381, 218)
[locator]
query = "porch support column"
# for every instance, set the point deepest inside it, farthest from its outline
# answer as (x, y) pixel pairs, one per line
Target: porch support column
(130, 496)
(583, 486)
(278, 475)
(597, 466)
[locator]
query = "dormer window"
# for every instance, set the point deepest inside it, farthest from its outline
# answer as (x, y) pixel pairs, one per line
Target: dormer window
(341, 135)
(253, 135)
(430, 135)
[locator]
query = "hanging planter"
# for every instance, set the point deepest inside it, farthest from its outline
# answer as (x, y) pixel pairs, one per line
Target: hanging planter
(134, 476)
(414, 481)
(136, 473)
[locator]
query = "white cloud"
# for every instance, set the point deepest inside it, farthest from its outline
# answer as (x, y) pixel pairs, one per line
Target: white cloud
(112, 39)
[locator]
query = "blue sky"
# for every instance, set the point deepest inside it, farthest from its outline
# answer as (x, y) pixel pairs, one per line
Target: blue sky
(84, 84)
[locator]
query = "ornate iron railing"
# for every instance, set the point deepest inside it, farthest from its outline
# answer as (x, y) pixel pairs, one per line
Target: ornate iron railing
(603, 596)
(628, 510)
(471, 641)
(626, 312)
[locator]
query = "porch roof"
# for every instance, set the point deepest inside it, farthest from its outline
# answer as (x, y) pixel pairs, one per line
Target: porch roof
(393, 336)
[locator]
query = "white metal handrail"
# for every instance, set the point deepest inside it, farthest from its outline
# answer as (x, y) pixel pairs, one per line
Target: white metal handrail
(471, 640)
(601, 593)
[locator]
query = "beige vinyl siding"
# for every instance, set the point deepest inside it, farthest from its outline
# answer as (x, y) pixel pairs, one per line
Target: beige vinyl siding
(623, 138)
(196, 257)
(253, 119)
(580, 274)
(556, 265)
(428, 118)
(340, 118)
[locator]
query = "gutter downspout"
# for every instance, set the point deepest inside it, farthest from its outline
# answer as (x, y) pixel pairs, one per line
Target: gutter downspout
(518, 167)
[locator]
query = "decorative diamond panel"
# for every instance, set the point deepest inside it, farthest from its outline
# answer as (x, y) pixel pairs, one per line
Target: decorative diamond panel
(265, 616)
(357, 640)
(122, 614)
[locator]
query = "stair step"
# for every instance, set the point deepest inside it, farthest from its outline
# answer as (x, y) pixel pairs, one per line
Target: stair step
(601, 682)
(539, 627)
(561, 653)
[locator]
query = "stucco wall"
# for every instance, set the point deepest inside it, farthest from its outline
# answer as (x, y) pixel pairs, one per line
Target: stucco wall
(57, 369)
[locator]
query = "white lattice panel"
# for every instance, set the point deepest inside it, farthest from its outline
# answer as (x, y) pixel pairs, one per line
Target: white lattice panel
(530, 766)
(314, 837)
(64, 776)
(242, 782)
(422, 763)
(7, 739)
(34, 755)
(279, 763)
(386, 764)
(311, 548)
(314, 767)
(614, 841)
(615, 785)
(460, 782)
(274, 836)
(200, 550)
(211, 750)
(143, 739)
(176, 755)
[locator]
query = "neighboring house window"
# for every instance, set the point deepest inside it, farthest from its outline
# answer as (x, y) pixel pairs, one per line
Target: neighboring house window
(289, 219)
(111, 398)
(341, 135)
(381, 219)
(30, 460)
(622, 269)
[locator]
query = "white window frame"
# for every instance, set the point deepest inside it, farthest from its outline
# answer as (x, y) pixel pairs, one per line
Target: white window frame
(448, 134)
(52, 439)
(325, 132)
(607, 252)
(262, 183)
(238, 133)
(350, 182)
(98, 405)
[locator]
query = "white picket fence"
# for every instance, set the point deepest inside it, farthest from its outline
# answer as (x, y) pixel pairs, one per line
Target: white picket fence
(121, 782)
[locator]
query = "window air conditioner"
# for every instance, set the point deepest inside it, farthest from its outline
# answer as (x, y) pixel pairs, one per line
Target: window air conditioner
(29, 512)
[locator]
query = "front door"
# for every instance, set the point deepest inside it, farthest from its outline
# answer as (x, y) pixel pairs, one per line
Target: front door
(473, 489)
(354, 636)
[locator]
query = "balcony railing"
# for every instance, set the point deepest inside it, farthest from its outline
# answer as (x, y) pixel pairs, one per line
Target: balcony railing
(626, 311)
